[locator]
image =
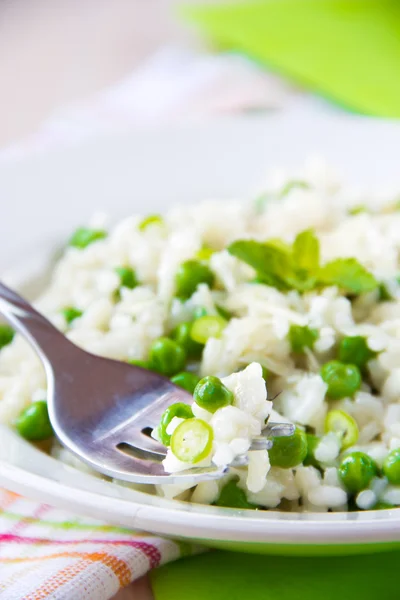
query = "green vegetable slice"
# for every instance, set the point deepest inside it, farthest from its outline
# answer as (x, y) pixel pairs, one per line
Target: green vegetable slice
(192, 441)
(344, 426)
(207, 327)
(71, 313)
(149, 221)
(84, 236)
(293, 184)
(205, 253)
(179, 409)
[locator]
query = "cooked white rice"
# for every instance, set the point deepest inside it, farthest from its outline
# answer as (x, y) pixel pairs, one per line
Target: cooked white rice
(257, 334)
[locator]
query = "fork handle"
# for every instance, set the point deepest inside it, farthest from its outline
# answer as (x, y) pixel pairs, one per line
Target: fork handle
(46, 339)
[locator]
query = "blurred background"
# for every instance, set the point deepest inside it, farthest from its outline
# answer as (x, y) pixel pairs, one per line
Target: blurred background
(56, 52)
(72, 67)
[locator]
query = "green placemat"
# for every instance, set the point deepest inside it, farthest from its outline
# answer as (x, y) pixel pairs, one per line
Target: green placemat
(230, 576)
(347, 50)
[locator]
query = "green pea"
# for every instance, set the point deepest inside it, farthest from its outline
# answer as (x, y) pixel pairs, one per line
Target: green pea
(211, 394)
(166, 357)
(207, 327)
(301, 338)
(149, 221)
(127, 277)
(71, 313)
(356, 471)
(84, 236)
(232, 496)
(343, 380)
(179, 409)
(354, 350)
(186, 380)
(391, 466)
(288, 451)
(139, 363)
(6, 335)
(383, 506)
(312, 443)
(190, 274)
(182, 335)
(33, 423)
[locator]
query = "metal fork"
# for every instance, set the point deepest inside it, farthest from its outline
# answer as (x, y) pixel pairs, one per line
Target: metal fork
(104, 410)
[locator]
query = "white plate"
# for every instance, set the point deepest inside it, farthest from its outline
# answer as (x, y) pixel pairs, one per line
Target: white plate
(44, 197)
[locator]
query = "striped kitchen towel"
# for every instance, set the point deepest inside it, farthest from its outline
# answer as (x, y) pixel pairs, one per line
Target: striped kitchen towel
(49, 553)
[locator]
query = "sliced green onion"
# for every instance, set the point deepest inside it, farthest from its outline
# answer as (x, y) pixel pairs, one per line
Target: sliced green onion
(205, 253)
(71, 313)
(192, 440)
(179, 409)
(84, 236)
(207, 327)
(344, 426)
(358, 209)
(149, 221)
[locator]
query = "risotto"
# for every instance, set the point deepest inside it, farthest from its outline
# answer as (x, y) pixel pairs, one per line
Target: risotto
(285, 308)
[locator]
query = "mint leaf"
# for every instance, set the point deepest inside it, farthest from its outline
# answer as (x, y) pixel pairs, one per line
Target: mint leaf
(348, 274)
(290, 185)
(306, 252)
(273, 265)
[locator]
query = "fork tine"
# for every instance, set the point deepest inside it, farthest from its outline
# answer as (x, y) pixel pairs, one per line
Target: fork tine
(120, 465)
(278, 430)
